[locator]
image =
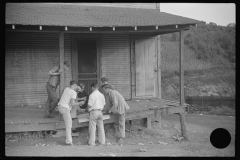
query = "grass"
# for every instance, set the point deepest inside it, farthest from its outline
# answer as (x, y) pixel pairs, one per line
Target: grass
(227, 88)
(23, 136)
(170, 58)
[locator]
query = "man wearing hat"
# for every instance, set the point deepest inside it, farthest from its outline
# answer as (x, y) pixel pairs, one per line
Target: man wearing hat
(104, 80)
(51, 87)
(119, 107)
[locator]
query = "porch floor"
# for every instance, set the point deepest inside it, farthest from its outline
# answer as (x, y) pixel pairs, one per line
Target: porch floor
(33, 115)
(27, 115)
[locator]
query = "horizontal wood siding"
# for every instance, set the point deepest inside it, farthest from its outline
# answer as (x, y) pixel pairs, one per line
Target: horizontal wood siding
(28, 58)
(115, 62)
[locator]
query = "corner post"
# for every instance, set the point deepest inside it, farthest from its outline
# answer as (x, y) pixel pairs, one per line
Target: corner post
(159, 66)
(159, 94)
(61, 61)
(181, 71)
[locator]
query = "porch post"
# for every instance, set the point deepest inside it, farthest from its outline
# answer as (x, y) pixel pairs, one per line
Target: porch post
(181, 78)
(159, 59)
(61, 61)
(159, 66)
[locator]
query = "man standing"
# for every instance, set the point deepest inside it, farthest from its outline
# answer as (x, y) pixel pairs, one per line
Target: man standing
(119, 107)
(96, 103)
(67, 101)
(51, 87)
(107, 105)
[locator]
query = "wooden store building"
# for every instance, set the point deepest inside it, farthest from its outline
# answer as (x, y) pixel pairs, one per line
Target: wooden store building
(120, 43)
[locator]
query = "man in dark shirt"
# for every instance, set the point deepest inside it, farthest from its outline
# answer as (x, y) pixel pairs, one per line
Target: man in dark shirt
(83, 96)
(51, 87)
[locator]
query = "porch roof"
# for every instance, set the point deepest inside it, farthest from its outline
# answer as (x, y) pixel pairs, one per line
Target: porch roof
(85, 16)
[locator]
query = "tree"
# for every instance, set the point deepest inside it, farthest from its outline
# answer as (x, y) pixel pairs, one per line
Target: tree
(231, 25)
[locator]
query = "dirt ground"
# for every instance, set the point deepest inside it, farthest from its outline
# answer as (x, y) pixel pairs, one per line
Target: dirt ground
(199, 128)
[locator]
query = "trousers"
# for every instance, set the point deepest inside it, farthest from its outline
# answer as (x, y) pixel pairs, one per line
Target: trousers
(68, 123)
(52, 99)
(96, 119)
(121, 125)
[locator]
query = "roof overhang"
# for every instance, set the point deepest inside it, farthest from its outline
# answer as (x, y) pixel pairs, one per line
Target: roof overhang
(101, 30)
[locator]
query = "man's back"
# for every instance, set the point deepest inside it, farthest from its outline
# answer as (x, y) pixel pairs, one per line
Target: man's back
(119, 100)
(68, 93)
(96, 100)
(54, 79)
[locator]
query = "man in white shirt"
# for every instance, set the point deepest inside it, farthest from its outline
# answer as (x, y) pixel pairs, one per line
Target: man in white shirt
(96, 103)
(67, 101)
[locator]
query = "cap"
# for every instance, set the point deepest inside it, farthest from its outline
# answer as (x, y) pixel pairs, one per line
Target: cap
(106, 86)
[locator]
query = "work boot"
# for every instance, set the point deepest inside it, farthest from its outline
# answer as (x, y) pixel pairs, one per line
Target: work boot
(69, 144)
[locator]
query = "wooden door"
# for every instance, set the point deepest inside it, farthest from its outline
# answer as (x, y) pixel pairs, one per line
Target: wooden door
(145, 67)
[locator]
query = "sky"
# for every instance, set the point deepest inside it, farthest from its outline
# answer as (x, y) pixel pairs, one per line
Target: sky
(219, 13)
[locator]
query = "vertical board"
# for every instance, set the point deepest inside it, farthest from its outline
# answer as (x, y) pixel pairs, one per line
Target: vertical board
(181, 66)
(158, 66)
(67, 57)
(28, 58)
(140, 67)
(115, 60)
(61, 62)
(145, 57)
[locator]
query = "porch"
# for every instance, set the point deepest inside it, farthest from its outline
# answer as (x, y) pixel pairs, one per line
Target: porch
(26, 118)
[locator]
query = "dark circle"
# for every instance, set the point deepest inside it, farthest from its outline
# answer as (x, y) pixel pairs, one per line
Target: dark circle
(220, 138)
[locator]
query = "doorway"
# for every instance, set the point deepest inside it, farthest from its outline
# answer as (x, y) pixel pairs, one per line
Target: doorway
(87, 63)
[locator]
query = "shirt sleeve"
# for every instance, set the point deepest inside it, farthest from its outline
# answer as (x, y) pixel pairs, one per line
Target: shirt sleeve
(103, 100)
(54, 69)
(74, 95)
(90, 100)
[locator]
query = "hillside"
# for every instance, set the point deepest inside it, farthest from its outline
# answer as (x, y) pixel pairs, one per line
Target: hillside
(210, 56)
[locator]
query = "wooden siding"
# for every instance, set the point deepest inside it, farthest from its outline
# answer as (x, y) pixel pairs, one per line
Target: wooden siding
(28, 58)
(115, 60)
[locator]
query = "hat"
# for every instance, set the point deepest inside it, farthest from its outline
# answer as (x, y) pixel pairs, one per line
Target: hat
(104, 79)
(106, 86)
